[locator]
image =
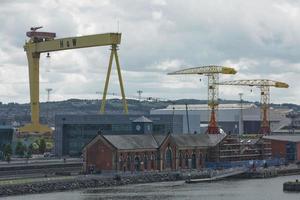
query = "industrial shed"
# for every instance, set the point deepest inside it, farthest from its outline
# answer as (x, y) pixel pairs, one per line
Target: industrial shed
(285, 146)
(148, 152)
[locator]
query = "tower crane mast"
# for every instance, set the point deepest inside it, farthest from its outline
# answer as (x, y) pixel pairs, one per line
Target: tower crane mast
(212, 72)
(264, 86)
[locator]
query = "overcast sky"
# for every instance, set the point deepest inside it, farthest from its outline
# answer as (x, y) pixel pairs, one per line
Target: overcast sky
(260, 38)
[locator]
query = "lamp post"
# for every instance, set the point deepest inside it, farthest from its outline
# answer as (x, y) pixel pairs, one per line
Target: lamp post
(241, 124)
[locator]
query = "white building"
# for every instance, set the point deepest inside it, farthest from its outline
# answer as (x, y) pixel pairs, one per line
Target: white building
(229, 117)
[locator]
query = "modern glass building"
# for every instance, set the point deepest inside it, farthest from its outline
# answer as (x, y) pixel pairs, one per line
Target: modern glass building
(6, 136)
(73, 132)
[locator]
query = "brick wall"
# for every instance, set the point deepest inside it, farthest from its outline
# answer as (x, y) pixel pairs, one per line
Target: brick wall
(278, 148)
(101, 156)
(143, 160)
(182, 158)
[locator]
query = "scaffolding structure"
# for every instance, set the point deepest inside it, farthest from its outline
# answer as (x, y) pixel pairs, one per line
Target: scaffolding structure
(241, 148)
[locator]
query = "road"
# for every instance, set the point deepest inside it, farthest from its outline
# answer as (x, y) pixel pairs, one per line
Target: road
(21, 168)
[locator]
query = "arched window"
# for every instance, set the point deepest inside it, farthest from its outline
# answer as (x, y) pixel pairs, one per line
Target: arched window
(206, 157)
(180, 159)
(186, 160)
(168, 158)
(121, 162)
(152, 158)
(194, 166)
(200, 159)
(145, 161)
(137, 163)
(128, 162)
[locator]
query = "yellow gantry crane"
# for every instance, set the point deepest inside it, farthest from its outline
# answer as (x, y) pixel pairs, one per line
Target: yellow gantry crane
(44, 42)
(264, 86)
(212, 72)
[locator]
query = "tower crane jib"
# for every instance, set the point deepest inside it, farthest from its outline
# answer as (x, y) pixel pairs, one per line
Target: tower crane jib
(264, 86)
(212, 72)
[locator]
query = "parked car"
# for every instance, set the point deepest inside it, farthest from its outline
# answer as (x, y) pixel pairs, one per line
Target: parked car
(48, 155)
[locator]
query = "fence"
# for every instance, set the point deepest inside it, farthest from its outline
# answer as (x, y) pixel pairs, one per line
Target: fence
(245, 163)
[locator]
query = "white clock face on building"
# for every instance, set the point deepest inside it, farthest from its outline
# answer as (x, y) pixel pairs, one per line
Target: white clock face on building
(138, 127)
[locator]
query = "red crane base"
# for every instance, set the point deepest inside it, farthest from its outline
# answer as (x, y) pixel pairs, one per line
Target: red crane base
(213, 126)
(213, 130)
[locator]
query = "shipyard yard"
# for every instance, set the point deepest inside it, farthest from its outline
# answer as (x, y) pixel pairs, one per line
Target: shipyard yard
(207, 104)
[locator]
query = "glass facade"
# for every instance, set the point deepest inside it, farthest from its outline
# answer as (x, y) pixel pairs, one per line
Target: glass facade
(6, 136)
(121, 127)
(251, 127)
(159, 128)
(76, 136)
(73, 132)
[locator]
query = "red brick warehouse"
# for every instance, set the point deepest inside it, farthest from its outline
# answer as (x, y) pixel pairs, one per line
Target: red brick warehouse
(148, 152)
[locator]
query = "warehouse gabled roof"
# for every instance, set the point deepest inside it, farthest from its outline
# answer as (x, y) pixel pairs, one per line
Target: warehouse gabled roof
(287, 137)
(132, 141)
(150, 141)
(197, 140)
(216, 138)
(159, 138)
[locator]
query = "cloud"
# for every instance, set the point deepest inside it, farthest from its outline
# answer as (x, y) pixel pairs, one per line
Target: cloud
(261, 39)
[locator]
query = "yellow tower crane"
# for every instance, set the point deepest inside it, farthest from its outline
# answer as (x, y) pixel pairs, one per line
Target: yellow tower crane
(212, 72)
(44, 42)
(264, 86)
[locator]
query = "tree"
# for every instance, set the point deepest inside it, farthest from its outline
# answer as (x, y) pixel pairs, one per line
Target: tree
(29, 151)
(20, 149)
(7, 152)
(42, 146)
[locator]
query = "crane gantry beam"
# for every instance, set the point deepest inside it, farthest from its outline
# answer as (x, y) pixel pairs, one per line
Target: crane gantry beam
(264, 86)
(42, 42)
(212, 72)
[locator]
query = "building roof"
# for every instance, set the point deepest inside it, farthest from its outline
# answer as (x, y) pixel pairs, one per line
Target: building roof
(123, 142)
(159, 138)
(150, 141)
(287, 137)
(142, 119)
(197, 140)
(216, 138)
(205, 106)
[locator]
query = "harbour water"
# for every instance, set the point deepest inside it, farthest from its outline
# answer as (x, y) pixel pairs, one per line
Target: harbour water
(252, 189)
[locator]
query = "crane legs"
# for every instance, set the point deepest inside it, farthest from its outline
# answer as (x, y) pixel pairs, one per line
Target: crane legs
(33, 64)
(112, 54)
(35, 126)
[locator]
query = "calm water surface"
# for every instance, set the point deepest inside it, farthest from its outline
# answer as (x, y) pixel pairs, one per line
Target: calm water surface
(254, 189)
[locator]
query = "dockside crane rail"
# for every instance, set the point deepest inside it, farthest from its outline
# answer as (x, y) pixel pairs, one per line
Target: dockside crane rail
(44, 42)
(264, 86)
(212, 72)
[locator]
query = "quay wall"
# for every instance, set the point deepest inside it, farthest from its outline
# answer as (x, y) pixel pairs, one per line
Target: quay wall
(82, 182)
(94, 181)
